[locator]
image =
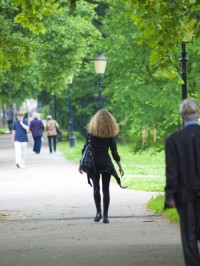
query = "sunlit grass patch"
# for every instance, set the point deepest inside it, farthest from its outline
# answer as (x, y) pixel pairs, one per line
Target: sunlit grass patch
(156, 204)
(3, 130)
(143, 171)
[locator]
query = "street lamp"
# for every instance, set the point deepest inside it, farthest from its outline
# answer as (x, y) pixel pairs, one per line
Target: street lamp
(190, 28)
(55, 106)
(100, 63)
(72, 138)
(183, 61)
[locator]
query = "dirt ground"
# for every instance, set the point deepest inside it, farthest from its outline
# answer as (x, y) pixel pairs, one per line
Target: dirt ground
(47, 213)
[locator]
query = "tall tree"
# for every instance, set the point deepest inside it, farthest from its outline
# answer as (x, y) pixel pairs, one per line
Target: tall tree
(19, 19)
(163, 24)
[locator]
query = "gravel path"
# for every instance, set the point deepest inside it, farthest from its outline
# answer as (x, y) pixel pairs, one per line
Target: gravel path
(47, 215)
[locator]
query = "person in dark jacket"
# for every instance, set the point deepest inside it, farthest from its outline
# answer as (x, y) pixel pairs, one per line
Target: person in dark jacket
(9, 117)
(103, 129)
(183, 179)
(37, 128)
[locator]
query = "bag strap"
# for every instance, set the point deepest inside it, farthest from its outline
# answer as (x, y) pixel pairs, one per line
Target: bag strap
(89, 138)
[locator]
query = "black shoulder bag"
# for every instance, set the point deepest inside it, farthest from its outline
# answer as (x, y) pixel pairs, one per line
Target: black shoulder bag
(87, 159)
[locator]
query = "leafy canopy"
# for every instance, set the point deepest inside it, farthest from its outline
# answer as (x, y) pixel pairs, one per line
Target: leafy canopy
(163, 25)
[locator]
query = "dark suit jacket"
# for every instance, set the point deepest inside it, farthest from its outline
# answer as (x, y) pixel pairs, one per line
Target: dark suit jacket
(183, 164)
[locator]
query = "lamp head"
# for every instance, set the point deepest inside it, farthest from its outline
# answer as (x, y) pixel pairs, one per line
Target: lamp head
(100, 63)
(69, 80)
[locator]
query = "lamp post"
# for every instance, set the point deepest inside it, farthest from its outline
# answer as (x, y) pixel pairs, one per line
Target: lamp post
(190, 29)
(72, 138)
(100, 63)
(55, 106)
(183, 61)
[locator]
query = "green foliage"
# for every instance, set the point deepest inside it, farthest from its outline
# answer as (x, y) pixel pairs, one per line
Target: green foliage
(33, 12)
(163, 24)
(140, 94)
(65, 45)
(16, 44)
(52, 57)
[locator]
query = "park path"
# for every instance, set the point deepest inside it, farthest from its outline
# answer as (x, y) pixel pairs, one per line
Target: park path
(48, 215)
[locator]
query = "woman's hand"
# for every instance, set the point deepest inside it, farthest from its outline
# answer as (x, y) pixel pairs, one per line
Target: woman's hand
(79, 169)
(121, 171)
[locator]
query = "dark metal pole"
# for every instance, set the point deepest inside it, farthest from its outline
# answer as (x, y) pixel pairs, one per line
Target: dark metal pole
(100, 89)
(183, 61)
(55, 106)
(72, 138)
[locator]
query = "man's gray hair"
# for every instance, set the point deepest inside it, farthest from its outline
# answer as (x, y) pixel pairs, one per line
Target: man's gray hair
(190, 110)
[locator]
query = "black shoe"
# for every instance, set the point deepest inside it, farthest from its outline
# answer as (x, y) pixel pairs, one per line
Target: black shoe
(105, 219)
(98, 217)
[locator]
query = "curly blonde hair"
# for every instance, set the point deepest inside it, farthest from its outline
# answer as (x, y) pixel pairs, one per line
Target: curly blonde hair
(103, 125)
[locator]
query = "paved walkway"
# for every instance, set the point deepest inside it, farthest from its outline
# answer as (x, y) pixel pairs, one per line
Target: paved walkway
(48, 219)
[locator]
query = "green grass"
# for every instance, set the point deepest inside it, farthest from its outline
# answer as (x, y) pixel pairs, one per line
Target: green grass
(3, 130)
(156, 204)
(143, 171)
(72, 154)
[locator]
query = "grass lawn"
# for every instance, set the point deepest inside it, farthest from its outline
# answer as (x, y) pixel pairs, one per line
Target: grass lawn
(143, 171)
(3, 130)
(156, 205)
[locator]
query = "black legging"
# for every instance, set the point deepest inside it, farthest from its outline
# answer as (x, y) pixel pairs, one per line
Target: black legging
(106, 192)
(50, 138)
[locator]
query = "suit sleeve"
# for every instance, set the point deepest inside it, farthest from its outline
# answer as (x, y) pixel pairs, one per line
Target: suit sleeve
(171, 169)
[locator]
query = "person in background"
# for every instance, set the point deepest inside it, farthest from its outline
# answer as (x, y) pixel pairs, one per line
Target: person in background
(9, 117)
(103, 129)
(26, 116)
(20, 139)
(51, 125)
(37, 128)
(182, 189)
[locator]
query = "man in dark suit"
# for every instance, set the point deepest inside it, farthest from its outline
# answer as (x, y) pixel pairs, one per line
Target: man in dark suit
(183, 179)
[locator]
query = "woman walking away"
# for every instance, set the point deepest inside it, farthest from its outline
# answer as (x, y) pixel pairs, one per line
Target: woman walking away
(103, 130)
(37, 128)
(51, 132)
